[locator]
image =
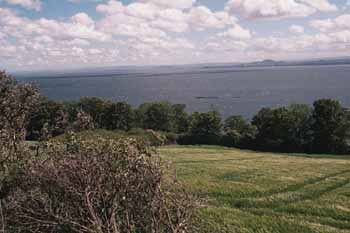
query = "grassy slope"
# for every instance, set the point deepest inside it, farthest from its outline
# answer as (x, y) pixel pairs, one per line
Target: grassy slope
(265, 192)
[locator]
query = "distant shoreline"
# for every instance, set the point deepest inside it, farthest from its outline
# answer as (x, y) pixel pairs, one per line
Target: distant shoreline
(148, 72)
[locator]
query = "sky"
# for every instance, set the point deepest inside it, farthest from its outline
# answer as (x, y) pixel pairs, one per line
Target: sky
(66, 34)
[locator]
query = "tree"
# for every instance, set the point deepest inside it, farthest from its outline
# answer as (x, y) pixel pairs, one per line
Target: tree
(283, 129)
(181, 118)
(47, 114)
(269, 129)
(330, 127)
(17, 101)
(205, 128)
(236, 123)
(156, 116)
(238, 132)
(83, 122)
(119, 116)
(299, 120)
(95, 107)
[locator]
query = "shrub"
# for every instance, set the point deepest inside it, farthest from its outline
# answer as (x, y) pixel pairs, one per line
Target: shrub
(205, 128)
(95, 107)
(17, 101)
(83, 122)
(330, 127)
(100, 186)
(283, 129)
(118, 116)
(181, 119)
(156, 116)
(49, 115)
(155, 138)
(231, 138)
(238, 132)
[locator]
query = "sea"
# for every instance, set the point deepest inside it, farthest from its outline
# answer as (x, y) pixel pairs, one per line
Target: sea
(229, 90)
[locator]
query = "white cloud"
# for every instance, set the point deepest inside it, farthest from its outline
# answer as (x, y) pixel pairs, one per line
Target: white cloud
(141, 10)
(80, 26)
(83, 19)
(174, 20)
(112, 7)
(29, 4)
(177, 4)
(121, 24)
(7, 51)
(255, 9)
(296, 29)
(147, 18)
(202, 17)
(339, 23)
(79, 1)
(320, 5)
(237, 32)
(164, 31)
(322, 25)
(2, 35)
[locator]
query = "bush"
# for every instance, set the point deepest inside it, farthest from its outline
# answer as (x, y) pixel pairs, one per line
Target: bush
(50, 115)
(181, 119)
(100, 186)
(283, 129)
(93, 106)
(118, 116)
(231, 138)
(17, 101)
(330, 127)
(238, 133)
(156, 116)
(205, 128)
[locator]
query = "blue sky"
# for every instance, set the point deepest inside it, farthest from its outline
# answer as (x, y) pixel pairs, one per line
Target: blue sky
(51, 34)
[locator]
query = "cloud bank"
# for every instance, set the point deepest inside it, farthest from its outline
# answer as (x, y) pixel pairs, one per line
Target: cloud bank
(170, 32)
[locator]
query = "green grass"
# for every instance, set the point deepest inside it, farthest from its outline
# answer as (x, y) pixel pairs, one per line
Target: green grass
(251, 192)
(139, 134)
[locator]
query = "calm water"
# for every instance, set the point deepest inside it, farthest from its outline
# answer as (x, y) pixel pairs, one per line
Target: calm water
(229, 90)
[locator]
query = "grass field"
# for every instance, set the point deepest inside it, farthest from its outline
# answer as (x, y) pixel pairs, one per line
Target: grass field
(250, 192)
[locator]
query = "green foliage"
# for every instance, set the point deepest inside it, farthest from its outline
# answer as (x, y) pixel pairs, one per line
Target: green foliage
(283, 129)
(296, 128)
(148, 137)
(238, 132)
(181, 118)
(205, 128)
(330, 127)
(236, 123)
(156, 116)
(49, 114)
(118, 116)
(17, 101)
(95, 107)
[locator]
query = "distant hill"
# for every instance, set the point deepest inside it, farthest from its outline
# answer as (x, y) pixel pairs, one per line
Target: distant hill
(329, 61)
(323, 61)
(169, 69)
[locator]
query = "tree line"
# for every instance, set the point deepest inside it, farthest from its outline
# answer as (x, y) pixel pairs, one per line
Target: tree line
(321, 128)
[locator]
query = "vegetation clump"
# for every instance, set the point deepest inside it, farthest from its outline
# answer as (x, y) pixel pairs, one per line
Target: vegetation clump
(96, 186)
(80, 185)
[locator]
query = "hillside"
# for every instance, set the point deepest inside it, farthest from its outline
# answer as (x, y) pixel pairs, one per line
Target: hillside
(263, 192)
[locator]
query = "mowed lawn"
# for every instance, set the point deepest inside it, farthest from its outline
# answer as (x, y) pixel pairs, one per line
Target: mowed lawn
(250, 192)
